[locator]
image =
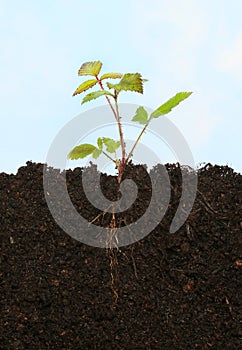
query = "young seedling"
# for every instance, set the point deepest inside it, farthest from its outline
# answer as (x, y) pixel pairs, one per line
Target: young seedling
(128, 82)
(107, 146)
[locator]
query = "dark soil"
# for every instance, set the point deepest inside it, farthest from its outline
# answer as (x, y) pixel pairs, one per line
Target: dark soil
(175, 291)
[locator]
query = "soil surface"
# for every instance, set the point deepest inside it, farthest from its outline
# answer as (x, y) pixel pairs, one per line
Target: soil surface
(175, 291)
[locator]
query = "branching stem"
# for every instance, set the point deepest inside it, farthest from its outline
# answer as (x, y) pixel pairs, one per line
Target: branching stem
(135, 144)
(107, 98)
(121, 136)
(120, 131)
(107, 155)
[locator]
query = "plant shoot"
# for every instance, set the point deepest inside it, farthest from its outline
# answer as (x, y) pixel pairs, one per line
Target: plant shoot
(127, 82)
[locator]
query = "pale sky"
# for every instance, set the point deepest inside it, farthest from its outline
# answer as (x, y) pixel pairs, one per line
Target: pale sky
(178, 45)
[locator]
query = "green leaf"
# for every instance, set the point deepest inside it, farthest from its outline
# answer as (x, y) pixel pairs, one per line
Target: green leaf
(93, 95)
(90, 68)
(129, 82)
(171, 103)
(85, 86)
(100, 143)
(141, 116)
(111, 76)
(81, 151)
(96, 153)
(111, 144)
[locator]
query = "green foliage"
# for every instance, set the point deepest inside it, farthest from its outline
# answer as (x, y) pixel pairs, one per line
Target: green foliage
(111, 144)
(93, 95)
(171, 103)
(100, 142)
(90, 68)
(81, 151)
(87, 149)
(85, 86)
(96, 153)
(141, 116)
(129, 82)
(111, 76)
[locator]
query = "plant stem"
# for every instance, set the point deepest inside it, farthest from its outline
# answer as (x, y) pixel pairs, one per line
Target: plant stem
(109, 156)
(135, 144)
(107, 98)
(121, 136)
(120, 131)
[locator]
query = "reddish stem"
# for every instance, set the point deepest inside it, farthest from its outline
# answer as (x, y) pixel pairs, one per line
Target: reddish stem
(107, 98)
(117, 117)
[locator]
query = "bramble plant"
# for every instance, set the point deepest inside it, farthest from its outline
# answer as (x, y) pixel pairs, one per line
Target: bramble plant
(128, 82)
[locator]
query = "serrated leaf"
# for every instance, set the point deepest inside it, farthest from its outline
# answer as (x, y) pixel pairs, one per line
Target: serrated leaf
(171, 103)
(93, 95)
(111, 144)
(129, 82)
(85, 86)
(111, 76)
(96, 153)
(90, 68)
(111, 86)
(141, 116)
(81, 151)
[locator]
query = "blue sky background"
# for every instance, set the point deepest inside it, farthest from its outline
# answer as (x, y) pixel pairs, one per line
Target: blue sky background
(178, 45)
